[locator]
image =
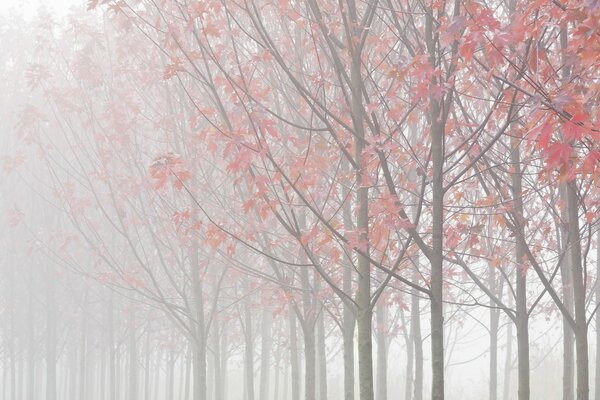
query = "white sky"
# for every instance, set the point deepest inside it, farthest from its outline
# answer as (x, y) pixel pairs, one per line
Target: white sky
(29, 7)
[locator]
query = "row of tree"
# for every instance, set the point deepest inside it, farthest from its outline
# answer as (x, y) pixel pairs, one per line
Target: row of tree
(353, 166)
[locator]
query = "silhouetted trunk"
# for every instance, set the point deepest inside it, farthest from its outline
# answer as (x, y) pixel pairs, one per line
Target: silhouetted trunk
(567, 289)
(170, 372)
(147, 366)
(265, 356)
(522, 317)
(30, 347)
(224, 357)
(437, 227)
(349, 322)
(381, 315)
(321, 350)
(597, 388)
(199, 342)
(133, 357)
(217, 332)
(248, 347)
(415, 331)
(508, 362)
(50, 338)
(188, 370)
(494, 321)
(277, 367)
(581, 339)
(83, 348)
(294, 359)
(364, 317)
(112, 365)
(308, 329)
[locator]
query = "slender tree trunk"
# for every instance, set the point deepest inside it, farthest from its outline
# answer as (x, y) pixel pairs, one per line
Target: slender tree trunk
(321, 350)
(224, 361)
(83, 348)
(170, 372)
(415, 329)
(437, 227)
(112, 365)
(349, 322)
(50, 338)
(308, 329)
(410, 361)
(522, 317)
(381, 315)
(597, 387)
(249, 347)
(295, 369)
(199, 342)
(147, 367)
(102, 373)
(30, 346)
(581, 339)
(217, 332)
(508, 362)
(133, 357)
(276, 369)
(567, 289)
(494, 321)
(265, 357)
(188, 369)
(364, 318)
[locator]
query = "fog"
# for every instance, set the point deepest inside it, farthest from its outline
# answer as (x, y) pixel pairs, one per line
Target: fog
(265, 200)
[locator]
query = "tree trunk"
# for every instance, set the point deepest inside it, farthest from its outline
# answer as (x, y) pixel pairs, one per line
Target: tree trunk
(217, 332)
(522, 317)
(112, 365)
(30, 347)
(249, 347)
(494, 321)
(50, 338)
(364, 313)
(437, 228)
(597, 388)
(581, 340)
(415, 330)
(224, 361)
(381, 315)
(133, 357)
(507, 363)
(567, 289)
(349, 322)
(308, 329)
(295, 369)
(321, 350)
(83, 348)
(265, 356)
(199, 342)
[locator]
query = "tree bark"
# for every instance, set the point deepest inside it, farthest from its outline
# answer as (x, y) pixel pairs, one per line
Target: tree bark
(437, 227)
(597, 388)
(265, 357)
(248, 347)
(321, 351)
(507, 363)
(494, 321)
(50, 338)
(381, 315)
(199, 341)
(567, 289)
(581, 340)
(133, 356)
(522, 317)
(295, 369)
